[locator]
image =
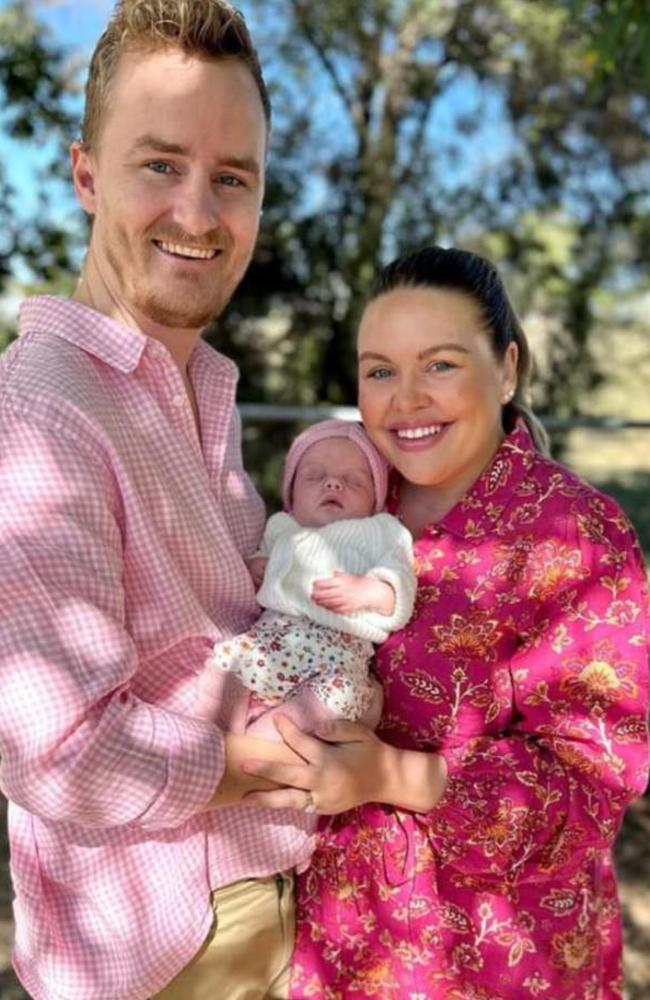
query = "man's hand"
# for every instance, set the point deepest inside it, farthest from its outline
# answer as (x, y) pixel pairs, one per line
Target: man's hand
(256, 566)
(345, 593)
(236, 782)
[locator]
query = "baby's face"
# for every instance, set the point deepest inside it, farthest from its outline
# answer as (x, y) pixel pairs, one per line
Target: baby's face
(333, 481)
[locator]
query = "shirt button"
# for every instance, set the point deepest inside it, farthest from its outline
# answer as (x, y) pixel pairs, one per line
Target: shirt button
(178, 401)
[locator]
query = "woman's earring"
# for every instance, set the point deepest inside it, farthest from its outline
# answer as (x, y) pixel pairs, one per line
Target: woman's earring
(508, 396)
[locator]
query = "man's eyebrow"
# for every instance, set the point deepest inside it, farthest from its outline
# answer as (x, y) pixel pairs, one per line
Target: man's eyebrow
(450, 345)
(158, 145)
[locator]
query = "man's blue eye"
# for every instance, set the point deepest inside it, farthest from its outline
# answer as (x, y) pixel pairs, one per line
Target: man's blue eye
(158, 167)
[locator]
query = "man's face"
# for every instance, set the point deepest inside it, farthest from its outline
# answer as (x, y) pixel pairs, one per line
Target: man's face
(175, 187)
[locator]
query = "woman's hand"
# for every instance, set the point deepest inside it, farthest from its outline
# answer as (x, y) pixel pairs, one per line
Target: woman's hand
(346, 768)
(333, 776)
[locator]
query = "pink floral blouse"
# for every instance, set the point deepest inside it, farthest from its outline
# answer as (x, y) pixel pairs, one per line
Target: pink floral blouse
(526, 665)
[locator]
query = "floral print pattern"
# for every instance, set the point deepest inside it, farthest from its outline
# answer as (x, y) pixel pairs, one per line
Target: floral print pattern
(525, 664)
(280, 653)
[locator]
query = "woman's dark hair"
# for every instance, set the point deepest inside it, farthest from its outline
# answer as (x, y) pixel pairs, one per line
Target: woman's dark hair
(474, 276)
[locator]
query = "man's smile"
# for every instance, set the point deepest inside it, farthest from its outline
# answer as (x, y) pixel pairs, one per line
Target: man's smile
(186, 252)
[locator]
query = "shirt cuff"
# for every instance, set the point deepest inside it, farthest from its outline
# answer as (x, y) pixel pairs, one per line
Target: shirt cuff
(195, 753)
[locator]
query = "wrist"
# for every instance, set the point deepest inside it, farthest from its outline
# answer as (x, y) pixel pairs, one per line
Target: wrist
(412, 779)
(387, 599)
(235, 782)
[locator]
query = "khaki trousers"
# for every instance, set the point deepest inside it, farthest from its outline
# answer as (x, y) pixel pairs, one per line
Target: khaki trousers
(247, 953)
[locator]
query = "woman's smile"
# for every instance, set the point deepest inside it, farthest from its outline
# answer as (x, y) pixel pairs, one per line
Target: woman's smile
(418, 437)
(430, 386)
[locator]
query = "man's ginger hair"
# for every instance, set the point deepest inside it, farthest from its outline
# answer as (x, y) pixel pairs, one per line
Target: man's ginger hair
(209, 29)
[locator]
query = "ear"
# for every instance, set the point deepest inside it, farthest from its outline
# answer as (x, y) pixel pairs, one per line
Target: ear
(509, 377)
(83, 167)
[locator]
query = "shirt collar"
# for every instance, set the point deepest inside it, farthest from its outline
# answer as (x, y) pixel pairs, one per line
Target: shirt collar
(116, 344)
(482, 506)
(202, 364)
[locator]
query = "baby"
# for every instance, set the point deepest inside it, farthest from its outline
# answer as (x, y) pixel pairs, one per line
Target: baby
(336, 576)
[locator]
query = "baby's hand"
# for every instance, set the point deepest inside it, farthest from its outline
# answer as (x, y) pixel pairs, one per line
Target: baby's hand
(345, 593)
(257, 567)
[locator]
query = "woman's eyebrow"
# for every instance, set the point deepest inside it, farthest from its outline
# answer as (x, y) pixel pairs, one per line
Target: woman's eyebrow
(450, 345)
(371, 356)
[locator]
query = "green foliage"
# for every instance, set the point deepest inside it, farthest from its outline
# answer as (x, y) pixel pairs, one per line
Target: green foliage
(620, 36)
(380, 111)
(487, 123)
(36, 81)
(32, 75)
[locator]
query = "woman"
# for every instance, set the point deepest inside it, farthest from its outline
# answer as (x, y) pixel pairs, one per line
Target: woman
(474, 859)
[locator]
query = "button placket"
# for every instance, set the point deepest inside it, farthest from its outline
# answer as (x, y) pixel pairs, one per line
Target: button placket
(171, 392)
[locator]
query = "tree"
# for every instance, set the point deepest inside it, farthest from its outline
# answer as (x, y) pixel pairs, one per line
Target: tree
(37, 80)
(488, 123)
(383, 112)
(620, 35)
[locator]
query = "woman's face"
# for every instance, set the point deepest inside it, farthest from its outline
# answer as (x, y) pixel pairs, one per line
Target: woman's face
(430, 387)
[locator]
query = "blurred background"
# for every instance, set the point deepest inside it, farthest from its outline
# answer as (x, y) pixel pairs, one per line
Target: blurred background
(515, 128)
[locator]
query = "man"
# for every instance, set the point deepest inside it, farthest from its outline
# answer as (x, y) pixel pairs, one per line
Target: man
(125, 519)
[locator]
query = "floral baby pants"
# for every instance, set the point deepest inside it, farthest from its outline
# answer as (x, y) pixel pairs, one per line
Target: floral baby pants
(280, 655)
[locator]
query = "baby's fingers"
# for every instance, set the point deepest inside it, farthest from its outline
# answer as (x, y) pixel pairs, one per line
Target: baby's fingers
(332, 604)
(330, 584)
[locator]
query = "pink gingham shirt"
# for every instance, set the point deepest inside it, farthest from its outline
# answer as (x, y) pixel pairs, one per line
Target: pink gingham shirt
(122, 539)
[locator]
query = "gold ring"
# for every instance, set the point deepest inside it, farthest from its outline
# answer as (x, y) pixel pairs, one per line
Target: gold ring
(310, 805)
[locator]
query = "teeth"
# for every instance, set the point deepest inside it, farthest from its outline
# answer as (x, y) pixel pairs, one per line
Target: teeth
(194, 252)
(413, 433)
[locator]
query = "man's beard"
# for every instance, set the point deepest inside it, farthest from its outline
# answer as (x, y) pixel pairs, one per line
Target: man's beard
(181, 315)
(165, 307)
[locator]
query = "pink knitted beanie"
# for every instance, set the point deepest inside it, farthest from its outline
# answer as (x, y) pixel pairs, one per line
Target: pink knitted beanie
(332, 429)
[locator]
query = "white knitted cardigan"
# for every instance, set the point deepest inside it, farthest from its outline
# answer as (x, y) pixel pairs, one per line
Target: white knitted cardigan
(376, 546)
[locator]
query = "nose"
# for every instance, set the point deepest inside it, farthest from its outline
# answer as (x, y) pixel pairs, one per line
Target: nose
(410, 394)
(333, 483)
(197, 207)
